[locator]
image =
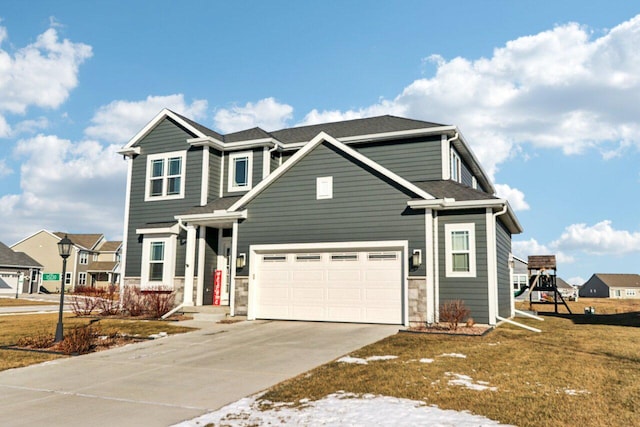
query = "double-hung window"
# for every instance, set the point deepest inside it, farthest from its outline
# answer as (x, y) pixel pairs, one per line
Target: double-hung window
(460, 248)
(82, 279)
(456, 166)
(240, 166)
(84, 257)
(165, 176)
(156, 261)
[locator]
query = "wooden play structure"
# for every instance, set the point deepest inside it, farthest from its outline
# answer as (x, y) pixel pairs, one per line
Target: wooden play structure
(542, 278)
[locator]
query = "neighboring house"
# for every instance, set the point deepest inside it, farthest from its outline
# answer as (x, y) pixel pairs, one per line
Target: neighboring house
(42, 246)
(18, 271)
(104, 268)
(611, 286)
(566, 290)
(375, 220)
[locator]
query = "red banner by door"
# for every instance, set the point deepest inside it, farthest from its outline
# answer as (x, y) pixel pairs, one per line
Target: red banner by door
(217, 286)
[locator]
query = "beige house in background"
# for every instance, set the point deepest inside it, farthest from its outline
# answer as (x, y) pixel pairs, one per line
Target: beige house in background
(42, 247)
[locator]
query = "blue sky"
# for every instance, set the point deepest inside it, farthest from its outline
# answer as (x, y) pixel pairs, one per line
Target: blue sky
(546, 92)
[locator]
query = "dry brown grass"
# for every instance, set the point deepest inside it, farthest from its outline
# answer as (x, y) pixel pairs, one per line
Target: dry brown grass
(19, 327)
(13, 302)
(536, 375)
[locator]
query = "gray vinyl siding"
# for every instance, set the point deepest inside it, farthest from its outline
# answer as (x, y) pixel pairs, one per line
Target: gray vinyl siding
(364, 207)
(256, 171)
(466, 175)
(472, 290)
(165, 137)
(275, 161)
(287, 155)
(418, 159)
(503, 250)
(594, 288)
(214, 175)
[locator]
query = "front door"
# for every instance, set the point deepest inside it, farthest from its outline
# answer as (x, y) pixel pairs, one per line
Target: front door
(224, 264)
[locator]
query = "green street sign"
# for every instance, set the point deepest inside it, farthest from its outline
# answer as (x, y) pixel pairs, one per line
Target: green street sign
(51, 276)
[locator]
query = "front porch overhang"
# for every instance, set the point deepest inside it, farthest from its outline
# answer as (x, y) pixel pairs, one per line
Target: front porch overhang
(218, 219)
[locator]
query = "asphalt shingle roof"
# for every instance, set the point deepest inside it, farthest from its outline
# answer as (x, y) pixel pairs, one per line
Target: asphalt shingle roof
(451, 189)
(111, 246)
(216, 205)
(101, 266)
(205, 130)
(620, 280)
(10, 258)
(86, 241)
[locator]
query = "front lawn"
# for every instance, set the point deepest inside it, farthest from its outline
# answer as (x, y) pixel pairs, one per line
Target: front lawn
(14, 327)
(581, 370)
(13, 302)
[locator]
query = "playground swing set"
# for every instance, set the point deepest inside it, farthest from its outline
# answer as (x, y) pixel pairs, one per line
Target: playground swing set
(542, 278)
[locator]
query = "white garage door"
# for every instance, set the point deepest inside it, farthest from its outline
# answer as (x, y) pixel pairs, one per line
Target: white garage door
(8, 282)
(354, 286)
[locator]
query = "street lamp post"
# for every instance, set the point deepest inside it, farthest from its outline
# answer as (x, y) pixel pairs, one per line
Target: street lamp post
(64, 248)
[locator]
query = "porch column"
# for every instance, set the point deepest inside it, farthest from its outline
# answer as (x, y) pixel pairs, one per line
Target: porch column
(190, 262)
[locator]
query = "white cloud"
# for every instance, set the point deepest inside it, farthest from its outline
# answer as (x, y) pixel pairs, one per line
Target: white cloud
(4, 168)
(598, 239)
(118, 121)
(41, 74)
(513, 195)
(523, 248)
(72, 186)
(267, 113)
(576, 281)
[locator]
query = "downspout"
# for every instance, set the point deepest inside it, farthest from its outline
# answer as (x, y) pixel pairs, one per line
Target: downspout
(498, 317)
(453, 138)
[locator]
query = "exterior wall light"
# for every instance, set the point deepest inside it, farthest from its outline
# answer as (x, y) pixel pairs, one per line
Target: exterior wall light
(416, 258)
(241, 260)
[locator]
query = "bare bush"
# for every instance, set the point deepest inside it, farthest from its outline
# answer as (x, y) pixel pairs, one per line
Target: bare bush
(109, 303)
(82, 305)
(133, 302)
(159, 301)
(78, 340)
(453, 313)
(39, 340)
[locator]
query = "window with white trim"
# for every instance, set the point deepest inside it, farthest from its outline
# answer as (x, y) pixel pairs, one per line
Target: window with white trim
(165, 176)
(240, 166)
(456, 166)
(84, 257)
(324, 187)
(631, 292)
(67, 278)
(82, 279)
(519, 281)
(158, 260)
(460, 250)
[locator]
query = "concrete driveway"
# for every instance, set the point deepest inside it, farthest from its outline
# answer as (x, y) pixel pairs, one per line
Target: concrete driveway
(165, 381)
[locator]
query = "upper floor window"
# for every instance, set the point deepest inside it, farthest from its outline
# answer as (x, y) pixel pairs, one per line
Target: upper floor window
(240, 166)
(165, 176)
(460, 250)
(84, 257)
(456, 166)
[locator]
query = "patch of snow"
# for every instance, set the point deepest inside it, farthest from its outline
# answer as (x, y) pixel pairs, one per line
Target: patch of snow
(572, 392)
(426, 360)
(341, 409)
(467, 382)
(360, 361)
(462, 356)
(159, 335)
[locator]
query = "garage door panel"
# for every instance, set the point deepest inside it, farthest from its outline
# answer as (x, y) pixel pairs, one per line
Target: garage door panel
(340, 286)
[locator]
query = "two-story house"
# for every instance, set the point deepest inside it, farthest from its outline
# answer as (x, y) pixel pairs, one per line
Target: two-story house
(375, 220)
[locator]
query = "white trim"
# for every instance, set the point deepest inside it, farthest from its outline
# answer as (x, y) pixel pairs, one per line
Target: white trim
(34, 234)
(402, 245)
(429, 263)
(232, 268)
(208, 141)
(153, 123)
(165, 176)
(202, 243)
(204, 191)
(324, 187)
(455, 163)
(444, 154)
(189, 267)
(168, 270)
(470, 228)
(231, 186)
(214, 217)
(173, 229)
(266, 162)
(492, 266)
(436, 266)
(319, 139)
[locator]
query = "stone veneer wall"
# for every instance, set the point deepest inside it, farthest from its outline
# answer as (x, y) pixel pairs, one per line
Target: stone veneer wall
(417, 301)
(178, 287)
(242, 296)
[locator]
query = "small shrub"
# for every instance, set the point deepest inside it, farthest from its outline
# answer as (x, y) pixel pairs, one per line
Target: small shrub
(83, 305)
(39, 340)
(109, 303)
(78, 340)
(159, 301)
(133, 301)
(453, 313)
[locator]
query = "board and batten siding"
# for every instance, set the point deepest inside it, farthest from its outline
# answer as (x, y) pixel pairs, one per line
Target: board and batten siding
(256, 171)
(472, 290)
(365, 207)
(214, 175)
(503, 250)
(165, 137)
(417, 159)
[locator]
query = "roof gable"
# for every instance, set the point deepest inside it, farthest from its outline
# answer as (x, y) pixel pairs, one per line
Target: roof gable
(85, 241)
(10, 258)
(302, 153)
(620, 280)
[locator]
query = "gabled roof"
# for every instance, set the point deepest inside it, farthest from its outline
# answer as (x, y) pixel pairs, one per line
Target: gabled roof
(10, 258)
(620, 280)
(561, 284)
(221, 204)
(110, 246)
(84, 241)
(347, 128)
(299, 155)
(247, 135)
(101, 266)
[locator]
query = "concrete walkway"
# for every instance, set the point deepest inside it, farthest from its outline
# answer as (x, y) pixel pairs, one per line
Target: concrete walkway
(165, 381)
